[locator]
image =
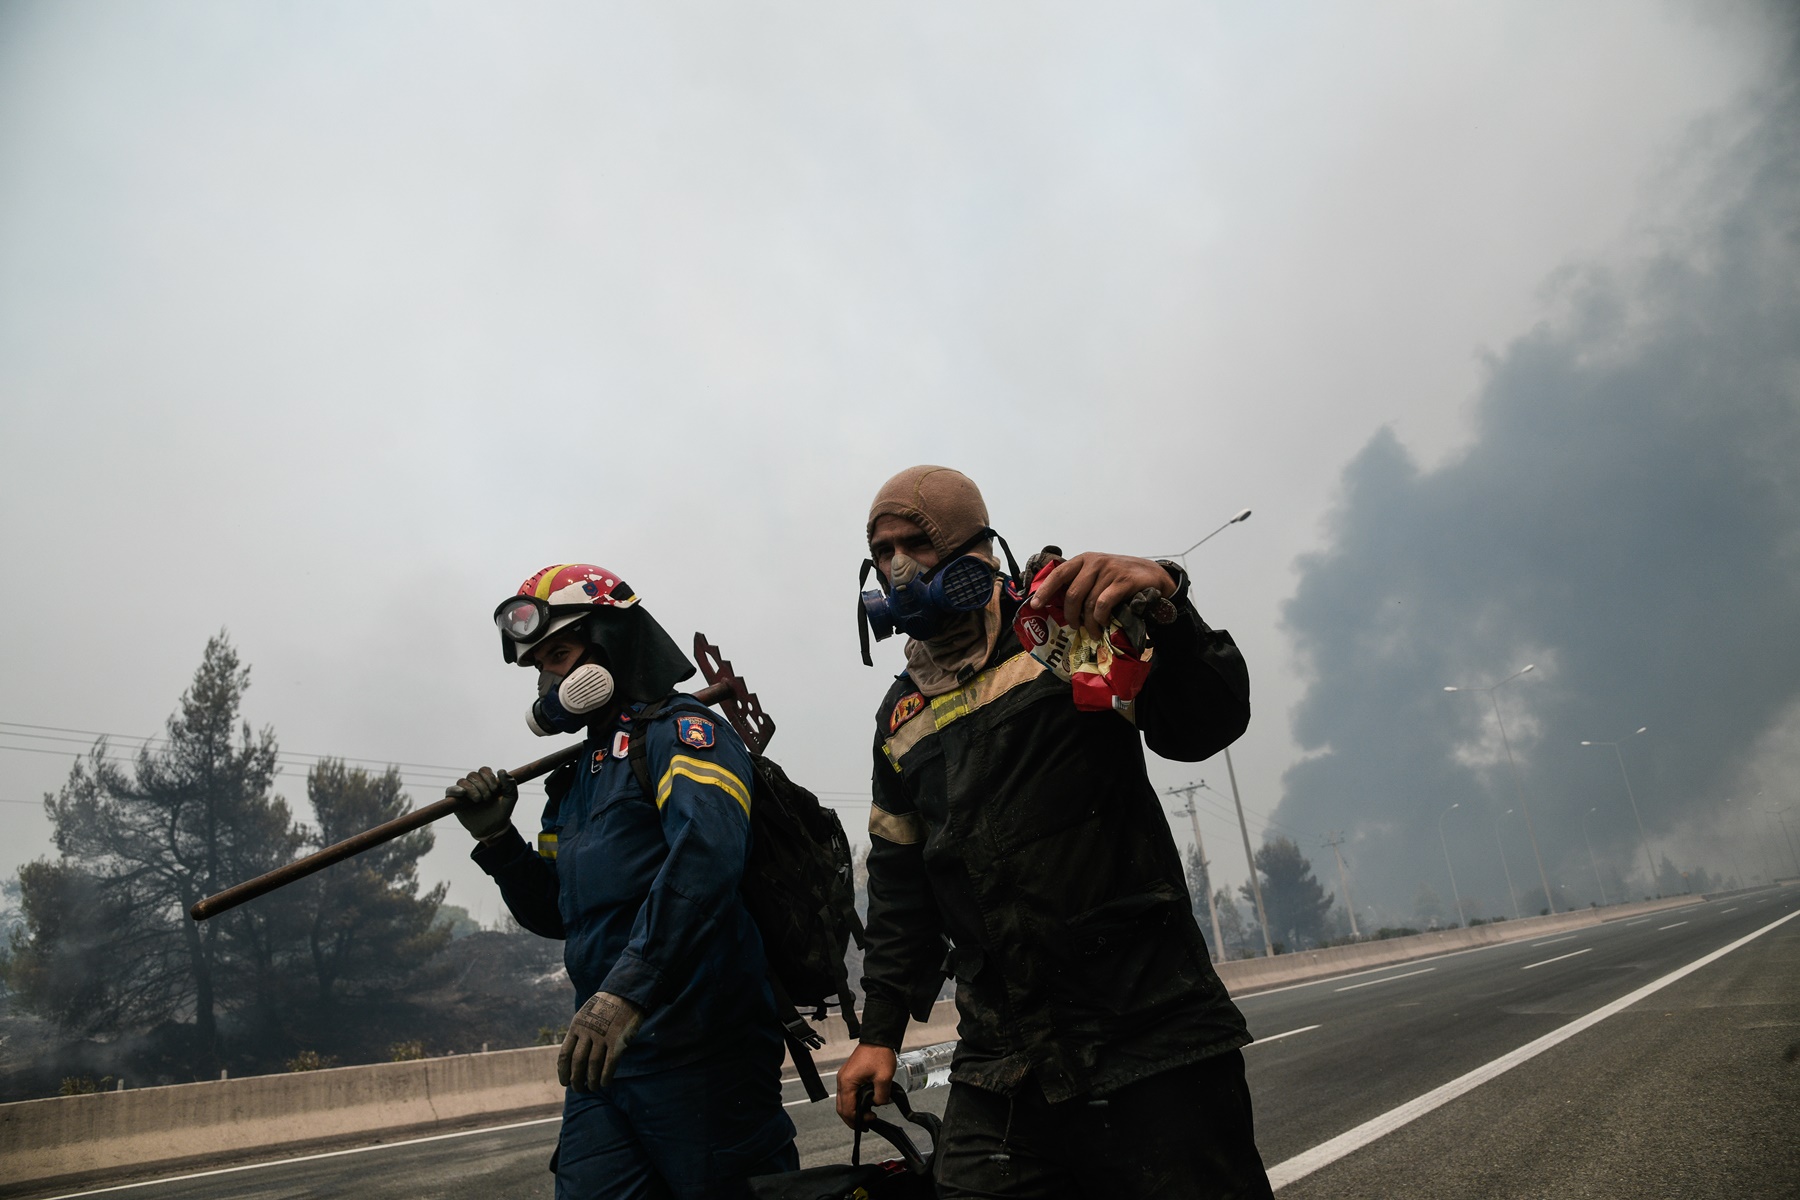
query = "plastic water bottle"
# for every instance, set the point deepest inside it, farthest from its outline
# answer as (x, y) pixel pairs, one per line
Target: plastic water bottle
(926, 1067)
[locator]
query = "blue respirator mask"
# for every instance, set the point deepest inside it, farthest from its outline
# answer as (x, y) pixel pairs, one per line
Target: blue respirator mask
(921, 602)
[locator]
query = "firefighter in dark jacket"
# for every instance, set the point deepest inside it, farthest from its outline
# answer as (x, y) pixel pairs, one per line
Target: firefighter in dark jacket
(673, 1057)
(1099, 1053)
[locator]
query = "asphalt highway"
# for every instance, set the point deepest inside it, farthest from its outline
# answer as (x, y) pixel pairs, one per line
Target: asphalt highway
(1691, 1090)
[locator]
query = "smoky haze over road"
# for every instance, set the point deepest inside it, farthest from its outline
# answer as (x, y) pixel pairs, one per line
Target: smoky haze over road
(1627, 518)
(326, 325)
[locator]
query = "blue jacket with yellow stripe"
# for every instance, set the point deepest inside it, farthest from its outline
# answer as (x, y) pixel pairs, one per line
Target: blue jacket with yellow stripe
(644, 889)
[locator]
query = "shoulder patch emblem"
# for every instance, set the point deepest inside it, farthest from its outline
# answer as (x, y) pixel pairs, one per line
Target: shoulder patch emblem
(598, 761)
(621, 744)
(910, 706)
(694, 731)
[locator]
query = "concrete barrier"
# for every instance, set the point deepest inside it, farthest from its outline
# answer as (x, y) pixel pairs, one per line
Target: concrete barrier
(73, 1136)
(1246, 976)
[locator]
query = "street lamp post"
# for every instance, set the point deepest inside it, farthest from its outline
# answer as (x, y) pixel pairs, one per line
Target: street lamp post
(1592, 861)
(1518, 780)
(1461, 920)
(1780, 814)
(1632, 796)
(1262, 918)
(1242, 516)
(1501, 842)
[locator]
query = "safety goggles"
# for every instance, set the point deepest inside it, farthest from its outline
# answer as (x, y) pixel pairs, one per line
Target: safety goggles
(525, 619)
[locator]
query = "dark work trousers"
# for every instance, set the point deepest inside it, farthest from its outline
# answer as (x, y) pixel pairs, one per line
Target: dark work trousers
(698, 1131)
(1185, 1134)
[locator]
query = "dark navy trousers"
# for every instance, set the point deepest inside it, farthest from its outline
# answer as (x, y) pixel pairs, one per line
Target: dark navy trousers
(693, 1132)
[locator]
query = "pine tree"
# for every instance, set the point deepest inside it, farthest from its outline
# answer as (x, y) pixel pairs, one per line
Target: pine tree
(370, 928)
(109, 945)
(1295, 902)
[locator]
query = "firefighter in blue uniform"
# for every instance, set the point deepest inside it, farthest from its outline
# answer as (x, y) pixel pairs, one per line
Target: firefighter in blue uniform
(673, 1058)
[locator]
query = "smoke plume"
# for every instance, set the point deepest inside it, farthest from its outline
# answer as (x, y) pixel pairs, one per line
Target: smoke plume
(1627, 518)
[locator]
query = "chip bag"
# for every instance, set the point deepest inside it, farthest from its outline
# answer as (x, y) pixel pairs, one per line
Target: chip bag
(1104, 673)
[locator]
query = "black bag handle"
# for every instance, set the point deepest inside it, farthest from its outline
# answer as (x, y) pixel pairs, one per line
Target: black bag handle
(897, 1137)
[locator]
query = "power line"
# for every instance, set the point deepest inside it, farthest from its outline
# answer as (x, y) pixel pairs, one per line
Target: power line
(7, 727)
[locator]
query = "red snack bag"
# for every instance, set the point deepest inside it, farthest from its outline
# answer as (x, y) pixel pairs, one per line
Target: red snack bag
(1103, 673)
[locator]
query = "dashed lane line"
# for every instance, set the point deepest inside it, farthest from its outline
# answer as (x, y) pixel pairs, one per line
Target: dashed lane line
(1553, 941)
(1643, 921)
(1558, 958)
(1371, 983)
(1723, 911)
(1677, 925)
(283, 1162)
(1326, 1153)
(1276, 1037)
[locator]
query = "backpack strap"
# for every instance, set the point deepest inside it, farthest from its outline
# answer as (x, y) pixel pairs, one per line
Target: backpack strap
(802, 1039)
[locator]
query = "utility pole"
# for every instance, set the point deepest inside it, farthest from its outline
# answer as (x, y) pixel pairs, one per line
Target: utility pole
(1212, 905)
(1262, 918)
(1334, 841)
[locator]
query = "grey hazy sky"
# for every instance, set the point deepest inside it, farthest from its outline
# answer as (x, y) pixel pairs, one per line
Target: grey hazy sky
(327, 324)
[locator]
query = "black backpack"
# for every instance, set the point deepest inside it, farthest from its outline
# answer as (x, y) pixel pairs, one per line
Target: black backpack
(800, 889)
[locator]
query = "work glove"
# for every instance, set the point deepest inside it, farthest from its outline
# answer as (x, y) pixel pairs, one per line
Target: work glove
(487, 801)
(597, 1036)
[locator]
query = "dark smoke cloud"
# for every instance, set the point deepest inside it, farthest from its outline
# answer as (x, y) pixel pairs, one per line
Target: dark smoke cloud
(1628, 517)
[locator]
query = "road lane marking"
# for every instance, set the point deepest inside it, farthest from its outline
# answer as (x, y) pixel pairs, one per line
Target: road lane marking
(1326, 1153)
(282, 1162)
(1276, 1037)
(1371, 983)
(1558, 958)
(1643, 921)
(1553, 941)
(1677, 924)
(1723, 911)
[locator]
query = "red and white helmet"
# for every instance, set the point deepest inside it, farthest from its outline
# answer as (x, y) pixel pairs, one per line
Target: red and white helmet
(555, 598)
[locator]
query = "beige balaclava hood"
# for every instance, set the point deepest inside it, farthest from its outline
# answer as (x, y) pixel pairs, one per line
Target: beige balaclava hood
(948, 506)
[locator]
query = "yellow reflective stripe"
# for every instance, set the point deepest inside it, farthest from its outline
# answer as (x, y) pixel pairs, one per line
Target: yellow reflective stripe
(903, 829)
(701, 771)
(546, 845)
(985, 688)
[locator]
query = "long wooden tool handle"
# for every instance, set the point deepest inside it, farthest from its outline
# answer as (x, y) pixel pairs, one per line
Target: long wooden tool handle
(250, 889)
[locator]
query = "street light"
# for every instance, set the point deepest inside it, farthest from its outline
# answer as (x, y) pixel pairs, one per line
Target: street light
(1501, 842)
(1242, 516)
(1592, 861)
(1780, 814)
(1518, 780)
(1460, 919)
(1648, 861)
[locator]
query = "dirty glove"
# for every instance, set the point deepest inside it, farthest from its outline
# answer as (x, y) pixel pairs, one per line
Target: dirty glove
(487, 801)
(597, 1036)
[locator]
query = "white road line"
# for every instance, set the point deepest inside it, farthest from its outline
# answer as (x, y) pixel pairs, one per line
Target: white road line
(282, 1162)
(1723, 911)
(1326, 1153)
(1553, 941)
(1276, 1037)
(1558, 958)
(1677, 925)
(1642, 921)
(1679, 911)
(1371, 983)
